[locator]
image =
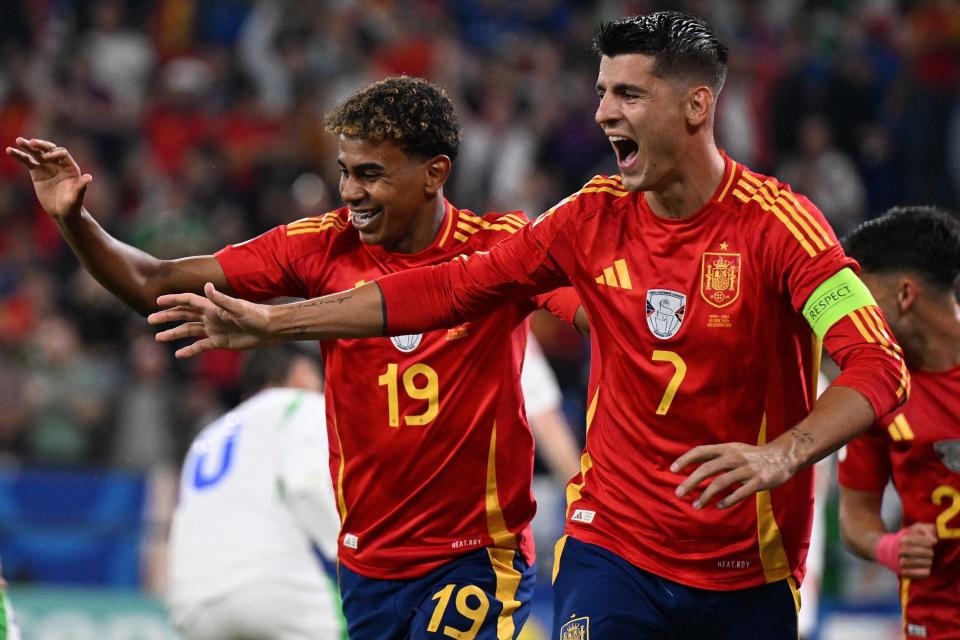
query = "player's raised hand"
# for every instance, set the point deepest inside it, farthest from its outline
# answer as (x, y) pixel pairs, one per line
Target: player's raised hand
(750, 468)
(219, 320)
(57, 179)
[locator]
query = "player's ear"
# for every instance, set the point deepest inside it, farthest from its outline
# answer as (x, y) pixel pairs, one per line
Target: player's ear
(698, 105)
(437, 171)
(906, 293)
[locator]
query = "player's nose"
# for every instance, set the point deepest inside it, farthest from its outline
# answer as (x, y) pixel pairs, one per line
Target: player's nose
(350, 190)
(607, 112)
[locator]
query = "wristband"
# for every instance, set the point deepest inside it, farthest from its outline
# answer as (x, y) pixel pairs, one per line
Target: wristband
(888, 550)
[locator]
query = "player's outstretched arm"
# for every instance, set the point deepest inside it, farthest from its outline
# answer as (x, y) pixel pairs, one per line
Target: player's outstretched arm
(907, 552)
(224, 322)
(135, 277)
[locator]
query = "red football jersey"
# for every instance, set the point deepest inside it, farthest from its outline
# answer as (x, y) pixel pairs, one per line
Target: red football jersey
(431, 456)
(918, 446)
(702, 341)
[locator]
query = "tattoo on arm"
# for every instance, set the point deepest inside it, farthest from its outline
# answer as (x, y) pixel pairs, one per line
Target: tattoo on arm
(802, 437)
(320, 301)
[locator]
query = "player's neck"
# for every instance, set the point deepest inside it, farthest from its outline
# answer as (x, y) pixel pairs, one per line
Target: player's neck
(686, 191)
(941, 340)
(425, 231)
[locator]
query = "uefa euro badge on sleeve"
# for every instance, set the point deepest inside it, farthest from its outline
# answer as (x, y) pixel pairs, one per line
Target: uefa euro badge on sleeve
(720, 278)
(665, 311)
(949, 453)
(576, 629)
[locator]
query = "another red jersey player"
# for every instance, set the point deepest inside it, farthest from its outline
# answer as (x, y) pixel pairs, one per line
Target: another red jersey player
(911, 261)
(709, 289)
(431, 455)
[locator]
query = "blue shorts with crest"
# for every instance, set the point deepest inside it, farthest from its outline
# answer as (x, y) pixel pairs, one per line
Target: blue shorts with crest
(597, 594)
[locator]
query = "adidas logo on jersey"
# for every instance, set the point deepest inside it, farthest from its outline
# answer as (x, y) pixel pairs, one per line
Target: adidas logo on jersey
(616, 276)
(350, 541)
(583, 515)
(900, 429)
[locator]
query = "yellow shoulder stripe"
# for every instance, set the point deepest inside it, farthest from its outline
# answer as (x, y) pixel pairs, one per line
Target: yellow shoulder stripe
(804, 227)
(871, 328)
(469, 224)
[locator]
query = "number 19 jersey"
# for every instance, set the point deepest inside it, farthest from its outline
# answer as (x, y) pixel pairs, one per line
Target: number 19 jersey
(431, 456)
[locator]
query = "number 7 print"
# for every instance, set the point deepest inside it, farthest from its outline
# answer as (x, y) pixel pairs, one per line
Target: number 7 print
(679, 371)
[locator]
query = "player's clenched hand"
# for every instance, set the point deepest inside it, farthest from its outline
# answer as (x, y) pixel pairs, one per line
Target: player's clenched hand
(57, 179)
(750, 468)
(909, 552)
(221, 321)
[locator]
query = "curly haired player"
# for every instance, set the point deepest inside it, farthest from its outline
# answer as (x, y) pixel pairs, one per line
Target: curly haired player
(431, 456)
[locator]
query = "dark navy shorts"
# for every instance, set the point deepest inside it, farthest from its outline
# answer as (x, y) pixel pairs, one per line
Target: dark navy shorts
(599, 595)
(483, 595)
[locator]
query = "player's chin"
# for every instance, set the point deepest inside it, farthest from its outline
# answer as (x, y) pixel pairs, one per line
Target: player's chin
(633, 182)
(372, 234)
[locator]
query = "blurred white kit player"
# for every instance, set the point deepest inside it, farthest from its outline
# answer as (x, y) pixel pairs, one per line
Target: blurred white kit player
(543, 402)
(255, 497)
(8, 625)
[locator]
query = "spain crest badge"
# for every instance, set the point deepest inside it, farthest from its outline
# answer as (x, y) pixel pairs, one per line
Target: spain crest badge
(720, 278)
(576, 629)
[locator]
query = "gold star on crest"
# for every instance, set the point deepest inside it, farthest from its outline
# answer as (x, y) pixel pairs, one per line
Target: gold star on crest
(723, 246)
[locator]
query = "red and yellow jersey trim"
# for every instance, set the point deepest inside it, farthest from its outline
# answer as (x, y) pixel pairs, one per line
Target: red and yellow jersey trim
(574, 488)
(317, 224)
(870, 324)
(598, 184)
(496, 524)
(341, 502)
(449, 215)
(773, 555)
(783, 204)
(729, 182)
(467, 224)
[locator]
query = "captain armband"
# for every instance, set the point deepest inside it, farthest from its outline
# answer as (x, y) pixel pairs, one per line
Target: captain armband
(837, 296)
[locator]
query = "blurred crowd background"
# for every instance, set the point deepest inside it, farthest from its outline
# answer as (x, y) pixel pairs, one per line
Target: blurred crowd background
(201, 122)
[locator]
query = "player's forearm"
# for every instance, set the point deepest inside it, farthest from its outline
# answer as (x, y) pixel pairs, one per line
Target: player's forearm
(860, 524)
(838, 416)
(132, 275)
(556, 444)
(357, 313)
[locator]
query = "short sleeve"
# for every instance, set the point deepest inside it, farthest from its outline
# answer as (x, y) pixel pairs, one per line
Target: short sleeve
(865, 462)
(260, 269)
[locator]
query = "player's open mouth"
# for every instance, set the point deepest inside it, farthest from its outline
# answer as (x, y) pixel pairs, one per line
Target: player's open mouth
(626, 149)
(363, 218)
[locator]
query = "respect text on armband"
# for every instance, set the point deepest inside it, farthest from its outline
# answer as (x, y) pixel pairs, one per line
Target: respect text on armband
(823, 303)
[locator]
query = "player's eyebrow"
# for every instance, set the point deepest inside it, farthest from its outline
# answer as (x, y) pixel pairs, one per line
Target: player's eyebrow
(622, 87)
(365, 166)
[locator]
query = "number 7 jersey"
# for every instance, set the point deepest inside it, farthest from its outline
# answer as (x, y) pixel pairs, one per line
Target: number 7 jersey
(431, 456)
(699, 336)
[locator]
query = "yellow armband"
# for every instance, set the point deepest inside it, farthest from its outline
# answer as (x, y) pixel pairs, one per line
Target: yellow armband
(836, 296)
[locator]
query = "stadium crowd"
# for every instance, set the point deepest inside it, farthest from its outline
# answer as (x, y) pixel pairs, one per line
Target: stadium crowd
(201, 124)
